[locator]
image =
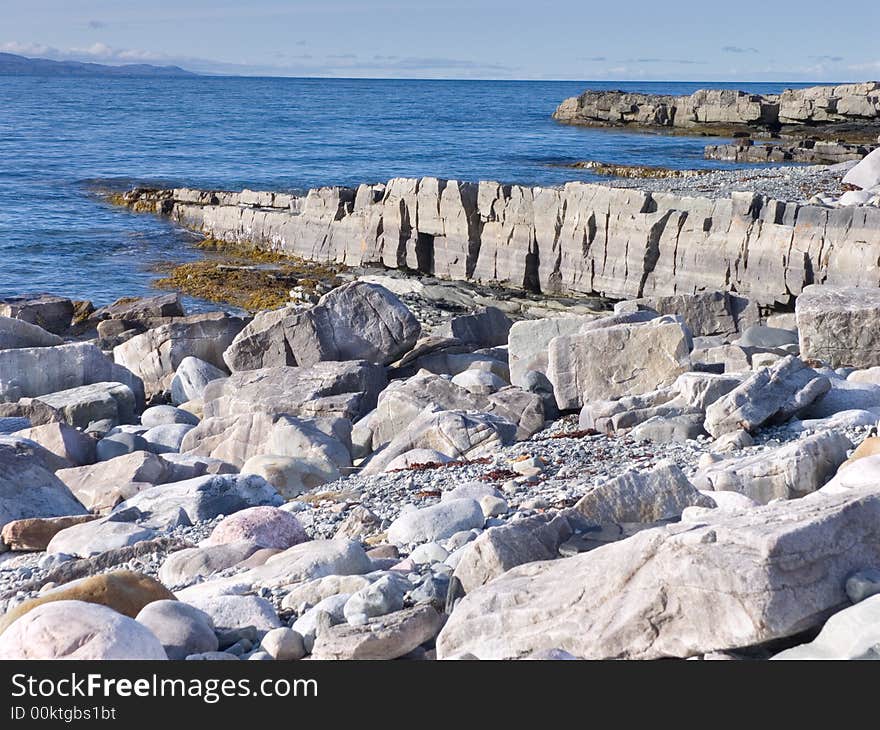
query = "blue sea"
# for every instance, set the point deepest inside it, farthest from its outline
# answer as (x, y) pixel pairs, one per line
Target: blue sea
(63, 139)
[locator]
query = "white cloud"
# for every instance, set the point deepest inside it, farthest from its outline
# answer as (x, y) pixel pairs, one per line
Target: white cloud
(287, 64)
(97, 52)
(869, 66)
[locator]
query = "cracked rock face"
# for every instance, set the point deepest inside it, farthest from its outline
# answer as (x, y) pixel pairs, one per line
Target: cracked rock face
(839, 325)
(613, 362)
(735, 579)
(772, 395)
(155, 355)
(578, 239)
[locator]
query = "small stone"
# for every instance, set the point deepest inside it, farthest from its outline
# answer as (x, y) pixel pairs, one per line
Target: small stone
(863, 584)
(530, 467)
(283, 644)
(182, 629)
(493, 506)
(119, 444)
(429, 552)
(167, 415)
(377, 599)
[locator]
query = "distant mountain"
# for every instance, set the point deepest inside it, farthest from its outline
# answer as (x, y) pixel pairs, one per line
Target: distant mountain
(11, 64)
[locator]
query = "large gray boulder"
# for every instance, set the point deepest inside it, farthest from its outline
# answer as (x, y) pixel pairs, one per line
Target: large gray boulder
(50, 312)
(386, 637)
(229, 612)
(866, 174)
(190, 564)
(101, 486)
(155, 355)
(167, 438)
(499, 549)
(839, 325)
(456, 434)
(327, 389)
(403, 400)
(304, 562)
(771, 395)
(617, 361)
(529, 341)
(844, 395)
(37, 371)
(80, 406)
(203, 498)
(191, 378)
(182, 629)
(733, 580)
(368, 322)
(357, 321)
(786, 472)
(436, 522)
(64, 441)
(641, 496)
(704, 313)
(141, 309)
(670, 429)
(96, 537)
(28, 488)
(487, 327)
(700, 390)
(624, 413)
(237, 439)
(15, 333)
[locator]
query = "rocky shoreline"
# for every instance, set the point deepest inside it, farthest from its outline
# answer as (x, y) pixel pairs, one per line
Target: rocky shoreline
(429, 432)
(341, 479)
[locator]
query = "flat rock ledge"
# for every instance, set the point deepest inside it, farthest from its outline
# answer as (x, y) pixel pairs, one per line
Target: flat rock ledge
(580, 239)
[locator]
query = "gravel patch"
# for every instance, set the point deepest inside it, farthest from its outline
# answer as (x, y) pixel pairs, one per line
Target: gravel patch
(788, 183)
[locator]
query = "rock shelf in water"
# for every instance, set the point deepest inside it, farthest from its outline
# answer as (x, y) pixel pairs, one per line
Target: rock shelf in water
(581, 239)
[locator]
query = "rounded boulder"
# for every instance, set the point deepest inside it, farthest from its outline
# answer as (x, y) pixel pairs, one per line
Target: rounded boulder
(78, 630)
(182, 629)
(268, 527)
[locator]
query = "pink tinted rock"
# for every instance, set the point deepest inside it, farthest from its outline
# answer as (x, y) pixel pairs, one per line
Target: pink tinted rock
(268, 527)
(404, 566)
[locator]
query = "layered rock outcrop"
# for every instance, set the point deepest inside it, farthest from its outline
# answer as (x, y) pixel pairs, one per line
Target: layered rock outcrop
(707, 109)
(578, 239)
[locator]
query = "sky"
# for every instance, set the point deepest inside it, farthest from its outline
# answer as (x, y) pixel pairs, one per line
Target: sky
(489, 39)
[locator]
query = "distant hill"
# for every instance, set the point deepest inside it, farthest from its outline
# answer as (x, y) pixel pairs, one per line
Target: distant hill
(11, 64)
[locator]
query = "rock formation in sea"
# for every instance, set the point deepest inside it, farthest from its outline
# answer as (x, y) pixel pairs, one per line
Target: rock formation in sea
(850, 110)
